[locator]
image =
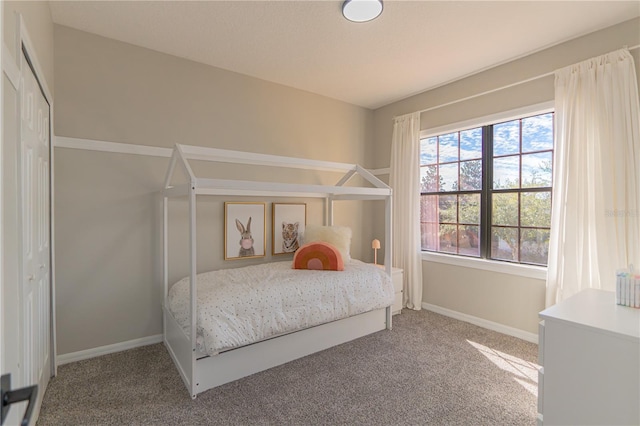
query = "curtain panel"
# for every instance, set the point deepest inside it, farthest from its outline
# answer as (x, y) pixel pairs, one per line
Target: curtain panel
(404, 179)
(595, 218)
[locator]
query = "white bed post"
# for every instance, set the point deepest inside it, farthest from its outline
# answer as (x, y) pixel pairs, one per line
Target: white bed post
(388, 239)
(193, 258)
(192, 281)
(330, 211)
(165, 255)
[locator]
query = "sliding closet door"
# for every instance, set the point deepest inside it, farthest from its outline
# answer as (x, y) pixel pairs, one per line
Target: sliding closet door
(36, 244)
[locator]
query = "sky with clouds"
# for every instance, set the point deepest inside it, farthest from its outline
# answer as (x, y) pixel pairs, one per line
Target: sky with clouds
(537, 135)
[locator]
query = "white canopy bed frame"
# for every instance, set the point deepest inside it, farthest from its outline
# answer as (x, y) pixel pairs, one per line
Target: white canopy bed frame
(201, 372)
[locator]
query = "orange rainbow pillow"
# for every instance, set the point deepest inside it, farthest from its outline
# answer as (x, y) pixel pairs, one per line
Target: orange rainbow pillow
(319, 256)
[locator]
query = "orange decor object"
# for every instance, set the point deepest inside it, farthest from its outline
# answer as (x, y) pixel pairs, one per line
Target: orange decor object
(319, 256)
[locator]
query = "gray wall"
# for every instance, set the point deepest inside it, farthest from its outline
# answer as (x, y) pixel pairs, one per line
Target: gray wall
(107, 208)
(505, 299)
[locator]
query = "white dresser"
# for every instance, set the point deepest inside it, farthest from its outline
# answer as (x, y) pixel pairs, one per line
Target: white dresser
(589, 353)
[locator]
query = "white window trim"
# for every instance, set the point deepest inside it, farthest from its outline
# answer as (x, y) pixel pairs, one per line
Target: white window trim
(513, 114)
(503, 267)
(518, 269)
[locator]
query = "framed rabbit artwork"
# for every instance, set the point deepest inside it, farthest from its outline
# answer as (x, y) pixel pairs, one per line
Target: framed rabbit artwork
(244, 230)
(289, 220)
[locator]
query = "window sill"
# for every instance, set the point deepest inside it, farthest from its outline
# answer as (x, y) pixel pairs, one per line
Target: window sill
(528, 271)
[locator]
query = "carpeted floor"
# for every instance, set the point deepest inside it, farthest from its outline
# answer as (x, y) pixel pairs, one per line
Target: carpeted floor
(430, 369)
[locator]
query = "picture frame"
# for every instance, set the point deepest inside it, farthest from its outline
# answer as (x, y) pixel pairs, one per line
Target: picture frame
(244, 230)
(288, 224)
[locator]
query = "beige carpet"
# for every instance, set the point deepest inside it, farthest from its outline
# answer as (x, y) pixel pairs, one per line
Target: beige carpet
(430, 369)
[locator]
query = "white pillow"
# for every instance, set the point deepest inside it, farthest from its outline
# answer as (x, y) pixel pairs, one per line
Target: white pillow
(338, 236)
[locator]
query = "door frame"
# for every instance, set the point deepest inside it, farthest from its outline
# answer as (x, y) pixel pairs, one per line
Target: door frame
(26, 47)
(5, 70)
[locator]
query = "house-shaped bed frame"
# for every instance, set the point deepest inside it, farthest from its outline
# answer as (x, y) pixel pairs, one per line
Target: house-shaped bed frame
(201, 372)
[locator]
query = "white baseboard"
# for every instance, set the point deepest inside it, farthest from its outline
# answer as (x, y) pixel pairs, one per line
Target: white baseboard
(480, 322)
(150, 340)
(108, 349)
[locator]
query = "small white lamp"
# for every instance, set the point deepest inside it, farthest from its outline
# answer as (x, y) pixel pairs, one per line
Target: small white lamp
(375, 245)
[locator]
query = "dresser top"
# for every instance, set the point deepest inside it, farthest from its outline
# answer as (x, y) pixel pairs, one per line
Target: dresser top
(597, 309)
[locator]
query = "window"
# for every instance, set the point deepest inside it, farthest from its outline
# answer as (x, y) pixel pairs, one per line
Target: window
(486, 191)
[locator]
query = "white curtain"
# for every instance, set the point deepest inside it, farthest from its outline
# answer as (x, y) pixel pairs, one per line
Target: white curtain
(595, 218)
(404, 179)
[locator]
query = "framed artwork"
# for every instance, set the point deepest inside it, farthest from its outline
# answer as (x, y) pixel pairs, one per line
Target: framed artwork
(244, 230)
(289, 220)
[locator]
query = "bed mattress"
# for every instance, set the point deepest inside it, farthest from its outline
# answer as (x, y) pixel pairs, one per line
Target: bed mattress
(240, 306)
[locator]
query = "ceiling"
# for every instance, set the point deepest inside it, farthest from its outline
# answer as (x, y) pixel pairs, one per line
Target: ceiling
(413, 46)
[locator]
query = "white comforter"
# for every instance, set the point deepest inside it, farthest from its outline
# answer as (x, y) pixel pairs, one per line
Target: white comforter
(241, 306)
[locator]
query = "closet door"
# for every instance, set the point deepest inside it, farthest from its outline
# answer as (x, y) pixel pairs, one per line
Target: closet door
(36, 247)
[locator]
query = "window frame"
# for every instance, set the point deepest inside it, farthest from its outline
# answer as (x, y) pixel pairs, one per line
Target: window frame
(485, 261)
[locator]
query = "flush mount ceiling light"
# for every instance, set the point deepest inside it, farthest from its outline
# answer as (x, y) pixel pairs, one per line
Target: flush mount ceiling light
(361, 10)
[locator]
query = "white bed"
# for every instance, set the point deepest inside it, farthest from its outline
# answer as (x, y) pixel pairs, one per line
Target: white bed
(267, 342)
(237, 307)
